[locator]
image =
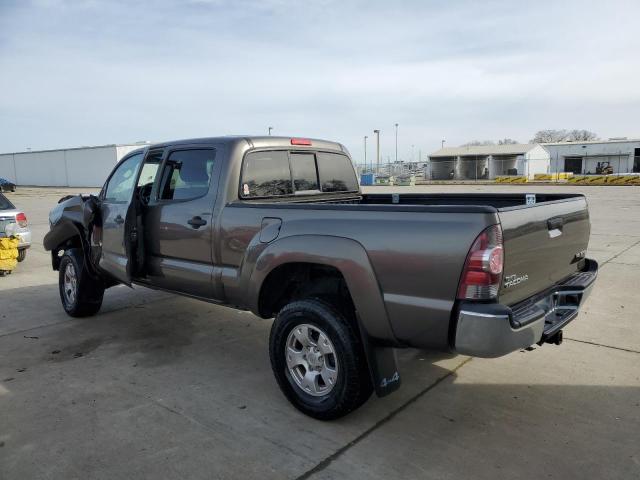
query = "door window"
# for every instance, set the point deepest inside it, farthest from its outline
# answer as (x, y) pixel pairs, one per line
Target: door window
(120, 186)
(186, 174)
(148, 175)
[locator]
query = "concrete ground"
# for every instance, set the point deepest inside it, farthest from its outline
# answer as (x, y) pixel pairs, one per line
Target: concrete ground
(159, 386)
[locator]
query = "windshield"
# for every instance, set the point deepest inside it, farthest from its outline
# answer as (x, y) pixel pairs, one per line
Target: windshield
(5, 204)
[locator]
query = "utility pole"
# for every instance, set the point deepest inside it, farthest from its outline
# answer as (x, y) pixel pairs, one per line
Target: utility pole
(377, 132)
(396, 143)
(270, 128)
(365, 151)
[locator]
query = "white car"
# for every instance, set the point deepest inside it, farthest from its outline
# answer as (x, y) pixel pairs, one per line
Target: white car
(14, 222)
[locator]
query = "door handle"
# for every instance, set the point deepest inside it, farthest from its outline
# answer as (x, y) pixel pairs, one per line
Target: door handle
(555, 223)
(119, 219)
(197, 222)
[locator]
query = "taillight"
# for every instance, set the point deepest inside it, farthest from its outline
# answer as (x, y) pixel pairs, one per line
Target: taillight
(483, 268)
(21, 218)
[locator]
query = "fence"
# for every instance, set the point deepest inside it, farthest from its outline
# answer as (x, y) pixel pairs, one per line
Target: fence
(494, 168)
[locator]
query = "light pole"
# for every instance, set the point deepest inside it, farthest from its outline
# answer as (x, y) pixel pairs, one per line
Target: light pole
(396, 142)
(442, 144)
(270, 128)
(365, 151)
(377, 132)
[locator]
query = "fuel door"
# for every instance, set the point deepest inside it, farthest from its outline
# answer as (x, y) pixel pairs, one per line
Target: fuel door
(270, 229)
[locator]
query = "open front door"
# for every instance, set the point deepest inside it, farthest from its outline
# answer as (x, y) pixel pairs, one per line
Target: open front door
(118, 218)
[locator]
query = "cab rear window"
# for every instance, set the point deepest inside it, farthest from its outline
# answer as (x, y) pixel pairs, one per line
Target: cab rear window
(336, 173)
(279, 173)
(266, 174)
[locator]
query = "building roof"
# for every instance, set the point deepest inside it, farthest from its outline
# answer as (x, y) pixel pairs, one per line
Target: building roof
(87, 147)
(591, 142)
(510, 149)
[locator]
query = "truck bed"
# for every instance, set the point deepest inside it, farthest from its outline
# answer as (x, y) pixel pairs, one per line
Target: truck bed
(544, 242)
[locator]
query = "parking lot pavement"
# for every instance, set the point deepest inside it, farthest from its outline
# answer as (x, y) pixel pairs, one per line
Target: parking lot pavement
(167, 387)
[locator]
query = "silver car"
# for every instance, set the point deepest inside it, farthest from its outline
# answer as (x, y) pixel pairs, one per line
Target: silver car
(14, 222)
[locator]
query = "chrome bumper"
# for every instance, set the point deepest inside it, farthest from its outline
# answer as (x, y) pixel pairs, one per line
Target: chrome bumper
(493, 330)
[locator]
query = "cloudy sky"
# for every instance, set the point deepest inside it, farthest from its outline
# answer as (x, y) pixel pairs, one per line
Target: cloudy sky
(95, 72)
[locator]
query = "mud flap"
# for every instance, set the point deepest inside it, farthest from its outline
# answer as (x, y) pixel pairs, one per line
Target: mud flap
(383, 365)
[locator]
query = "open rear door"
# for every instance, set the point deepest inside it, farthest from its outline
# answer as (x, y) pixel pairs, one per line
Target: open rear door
(119, 219)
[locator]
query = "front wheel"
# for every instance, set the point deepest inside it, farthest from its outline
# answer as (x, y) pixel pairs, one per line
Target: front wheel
(81, 295)
(22, 254)
(318, 359)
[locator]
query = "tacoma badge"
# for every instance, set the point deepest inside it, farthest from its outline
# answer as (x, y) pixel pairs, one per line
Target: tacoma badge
(513, 280)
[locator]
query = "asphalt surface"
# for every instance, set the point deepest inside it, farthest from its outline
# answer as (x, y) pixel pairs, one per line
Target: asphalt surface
(160, 386)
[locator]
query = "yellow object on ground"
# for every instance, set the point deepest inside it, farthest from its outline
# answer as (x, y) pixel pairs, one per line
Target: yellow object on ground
(605, 179)
(547, 177)
(511, 179)
(8, 253)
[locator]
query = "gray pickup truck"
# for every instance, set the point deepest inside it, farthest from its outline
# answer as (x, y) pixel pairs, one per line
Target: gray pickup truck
(279, 226)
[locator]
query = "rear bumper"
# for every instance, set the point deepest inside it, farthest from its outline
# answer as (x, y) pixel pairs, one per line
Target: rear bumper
(493, 330)
(25, 239)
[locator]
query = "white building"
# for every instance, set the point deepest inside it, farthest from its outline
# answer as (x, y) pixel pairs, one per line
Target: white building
(488, 161)
(68, 167)
(622, 154)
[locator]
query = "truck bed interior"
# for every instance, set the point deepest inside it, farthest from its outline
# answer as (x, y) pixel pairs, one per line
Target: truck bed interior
(486, 199)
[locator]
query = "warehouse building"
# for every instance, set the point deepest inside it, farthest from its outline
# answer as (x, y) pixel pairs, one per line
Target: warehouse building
(68, 167)
(621, 155)
(486, 162)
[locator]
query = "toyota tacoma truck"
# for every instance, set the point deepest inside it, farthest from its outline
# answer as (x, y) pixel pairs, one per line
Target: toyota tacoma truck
(280, 227)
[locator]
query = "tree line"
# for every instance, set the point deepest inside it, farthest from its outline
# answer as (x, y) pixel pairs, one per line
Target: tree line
(543, 136)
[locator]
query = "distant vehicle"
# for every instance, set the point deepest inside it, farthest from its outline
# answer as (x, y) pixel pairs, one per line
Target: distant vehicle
(14, 222)
(279, 226)
(6, 185)
(604, 168)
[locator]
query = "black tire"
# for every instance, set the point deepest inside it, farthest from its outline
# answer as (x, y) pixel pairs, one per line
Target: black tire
(353, 384)
(87, 292)
(22, 254)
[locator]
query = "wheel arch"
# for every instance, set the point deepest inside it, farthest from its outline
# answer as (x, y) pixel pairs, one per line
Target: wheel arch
(338, 256)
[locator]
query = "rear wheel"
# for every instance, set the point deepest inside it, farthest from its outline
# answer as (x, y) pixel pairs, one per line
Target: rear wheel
(81, 295)
(22, 254)
(318, 359)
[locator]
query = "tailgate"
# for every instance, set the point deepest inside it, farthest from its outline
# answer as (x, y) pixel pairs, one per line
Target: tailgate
(544, 243)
